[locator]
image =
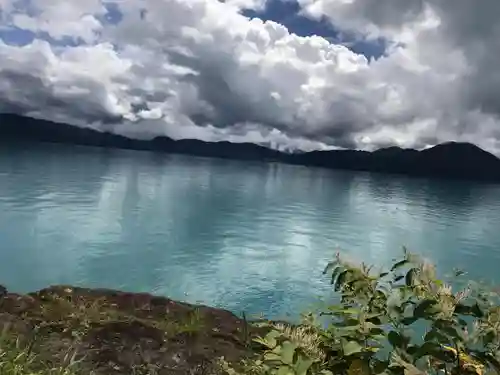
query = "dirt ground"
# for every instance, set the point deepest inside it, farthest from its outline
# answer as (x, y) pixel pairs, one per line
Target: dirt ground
(112, 332)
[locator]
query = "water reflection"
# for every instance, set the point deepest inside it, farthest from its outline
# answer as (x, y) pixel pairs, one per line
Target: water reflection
(246, 236)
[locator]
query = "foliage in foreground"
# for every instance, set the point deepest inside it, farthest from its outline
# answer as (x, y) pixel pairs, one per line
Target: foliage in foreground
(403, 321)
(370, 330)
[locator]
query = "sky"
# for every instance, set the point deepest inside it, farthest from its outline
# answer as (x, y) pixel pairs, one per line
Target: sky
(290, 74)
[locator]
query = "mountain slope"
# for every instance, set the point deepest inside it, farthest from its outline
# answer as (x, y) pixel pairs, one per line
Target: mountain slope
(447, 160)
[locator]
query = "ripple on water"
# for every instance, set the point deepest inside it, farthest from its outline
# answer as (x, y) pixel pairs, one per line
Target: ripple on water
(251, 237)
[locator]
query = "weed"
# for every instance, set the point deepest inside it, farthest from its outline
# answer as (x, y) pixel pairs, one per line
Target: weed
(369, 330)
(18, 358)
(191, 324)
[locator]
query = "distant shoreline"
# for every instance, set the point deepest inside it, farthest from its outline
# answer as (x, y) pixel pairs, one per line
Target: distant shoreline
(450, 160)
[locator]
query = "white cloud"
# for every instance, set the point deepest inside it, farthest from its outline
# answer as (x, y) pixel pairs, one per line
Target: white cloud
(61, 19)
(198, 68)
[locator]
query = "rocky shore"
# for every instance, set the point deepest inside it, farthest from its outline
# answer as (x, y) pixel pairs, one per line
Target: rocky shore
(111, 332)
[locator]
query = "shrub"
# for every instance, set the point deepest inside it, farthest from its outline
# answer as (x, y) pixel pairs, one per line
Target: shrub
(368, 331)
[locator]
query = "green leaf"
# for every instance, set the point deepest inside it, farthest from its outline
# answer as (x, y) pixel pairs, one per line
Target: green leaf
(269, 340)
(411, 276)
(335, 273)
(489, 337)
(412, 349)
(287, 352)
(399, 264)
(451, 331)
(397, 278)
(349, 328)
(302, 365)
(343, 310)
(377, 320)
(409, 320)
(432, 349)
(462, 322)
(339, 283)
(358, 367)
(434, 334)
(473, 310)
(329, 266)
(264, 342)
(375, 331)
(285, 370)
(395, 339)
(377, 337)
(379, 366)
(422, 308)
(272, 357)
(351, 347)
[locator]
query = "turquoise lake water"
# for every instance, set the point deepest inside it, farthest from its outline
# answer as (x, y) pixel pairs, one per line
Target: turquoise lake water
(250, 237)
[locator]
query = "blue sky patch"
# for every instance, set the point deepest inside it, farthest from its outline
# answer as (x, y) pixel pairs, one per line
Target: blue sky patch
(113, 15)
(16, 36)
(21, 37)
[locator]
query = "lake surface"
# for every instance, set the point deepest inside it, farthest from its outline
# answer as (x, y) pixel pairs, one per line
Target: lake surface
(250, 237)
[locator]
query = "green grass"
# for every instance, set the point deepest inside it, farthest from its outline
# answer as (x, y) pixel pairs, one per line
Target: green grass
(18, 358)
(73, 317)
(190, 324)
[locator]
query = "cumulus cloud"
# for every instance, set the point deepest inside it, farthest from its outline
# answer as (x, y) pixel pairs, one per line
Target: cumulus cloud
(453, 47)
(199, 68)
